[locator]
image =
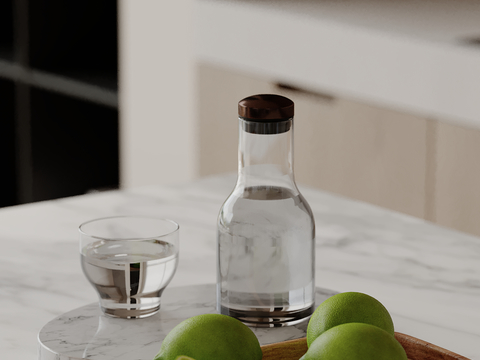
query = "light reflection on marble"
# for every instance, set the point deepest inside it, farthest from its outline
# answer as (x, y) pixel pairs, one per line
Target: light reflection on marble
(86, 333)
(427, 276)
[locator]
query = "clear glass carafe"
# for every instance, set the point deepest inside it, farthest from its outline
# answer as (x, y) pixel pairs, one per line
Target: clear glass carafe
(265, 229)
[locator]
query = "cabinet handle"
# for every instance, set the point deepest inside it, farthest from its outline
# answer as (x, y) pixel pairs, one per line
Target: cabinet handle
(294, 89)
(471, 41)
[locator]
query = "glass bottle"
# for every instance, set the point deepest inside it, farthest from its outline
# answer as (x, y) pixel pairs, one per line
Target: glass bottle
(265, 228)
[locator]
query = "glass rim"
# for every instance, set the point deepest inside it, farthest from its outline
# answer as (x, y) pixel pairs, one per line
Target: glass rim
(82, 232)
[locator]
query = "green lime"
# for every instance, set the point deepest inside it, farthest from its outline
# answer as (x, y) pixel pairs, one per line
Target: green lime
(183, 357)
(211, 337)
(348, 307)
(355, 341)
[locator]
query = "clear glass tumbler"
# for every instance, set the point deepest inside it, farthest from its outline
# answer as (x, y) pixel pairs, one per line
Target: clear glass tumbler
(129, 260)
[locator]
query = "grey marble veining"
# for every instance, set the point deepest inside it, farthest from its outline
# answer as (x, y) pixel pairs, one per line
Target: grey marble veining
(427, 276)
(85, 333)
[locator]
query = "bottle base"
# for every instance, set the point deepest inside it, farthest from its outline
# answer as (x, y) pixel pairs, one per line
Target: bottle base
(278, 317)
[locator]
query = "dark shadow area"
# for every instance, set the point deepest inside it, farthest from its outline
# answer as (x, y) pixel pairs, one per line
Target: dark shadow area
(55, 141)
(8, 188)
(77, 39)
(74, 146)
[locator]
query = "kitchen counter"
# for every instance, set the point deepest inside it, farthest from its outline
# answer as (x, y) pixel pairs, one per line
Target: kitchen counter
(428, 277)
(419, 57)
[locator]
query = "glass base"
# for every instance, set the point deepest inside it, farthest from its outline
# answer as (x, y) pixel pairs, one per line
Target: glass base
(279, 317)
(130, 313)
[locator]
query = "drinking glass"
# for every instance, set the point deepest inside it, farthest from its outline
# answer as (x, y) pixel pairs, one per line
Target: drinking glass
(129, 260)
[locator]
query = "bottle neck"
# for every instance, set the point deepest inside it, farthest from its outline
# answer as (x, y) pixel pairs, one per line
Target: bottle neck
(265, 157)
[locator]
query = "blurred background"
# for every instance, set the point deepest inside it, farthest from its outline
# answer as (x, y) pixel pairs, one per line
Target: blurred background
(98, 95)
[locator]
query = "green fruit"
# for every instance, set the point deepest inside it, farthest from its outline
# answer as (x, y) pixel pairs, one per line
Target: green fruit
(355, 341)
(348, 307)
(183, 357)
(211, 337)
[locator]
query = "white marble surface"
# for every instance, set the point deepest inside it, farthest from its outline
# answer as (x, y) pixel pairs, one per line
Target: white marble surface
(428, 277)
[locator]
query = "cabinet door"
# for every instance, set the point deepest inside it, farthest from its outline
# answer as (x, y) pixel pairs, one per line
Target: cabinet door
(457, 190)
(218, 94)
(353, 149)
(361, 151)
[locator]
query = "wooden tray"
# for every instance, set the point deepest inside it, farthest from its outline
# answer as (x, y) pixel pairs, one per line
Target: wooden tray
(416, 349)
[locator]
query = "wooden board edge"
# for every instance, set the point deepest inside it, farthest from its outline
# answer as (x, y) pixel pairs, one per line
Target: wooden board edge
(286, 350)
(416, 349)
(420, 349)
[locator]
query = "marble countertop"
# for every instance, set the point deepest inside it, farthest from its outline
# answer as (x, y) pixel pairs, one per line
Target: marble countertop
(428, 277)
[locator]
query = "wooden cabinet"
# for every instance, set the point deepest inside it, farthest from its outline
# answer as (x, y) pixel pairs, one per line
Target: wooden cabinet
(218, 94)
(362, 151)
(357, 150)
(58, 98)
(422, 167)
(457, 186)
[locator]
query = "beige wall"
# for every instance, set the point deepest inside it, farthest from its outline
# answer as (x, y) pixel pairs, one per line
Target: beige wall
(418, 166)
(157, 94)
